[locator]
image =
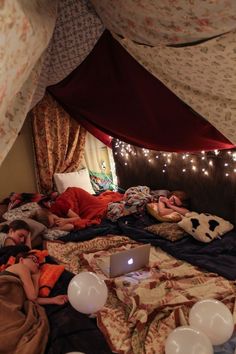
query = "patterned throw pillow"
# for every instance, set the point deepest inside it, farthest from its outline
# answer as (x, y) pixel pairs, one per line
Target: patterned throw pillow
(205, 227)
(152, 209)
(167, 230)
(24, 211)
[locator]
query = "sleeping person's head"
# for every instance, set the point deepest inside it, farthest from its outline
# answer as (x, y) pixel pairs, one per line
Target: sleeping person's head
(30, 260)
(179, 198)
(17, 231)
(45, 217)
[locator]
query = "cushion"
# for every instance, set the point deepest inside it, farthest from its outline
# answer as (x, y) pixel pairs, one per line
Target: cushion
(167, 230)
(205, 227)
(79, 179)
(24, 211)
(49, 274)
(37, 229)
(152, 209)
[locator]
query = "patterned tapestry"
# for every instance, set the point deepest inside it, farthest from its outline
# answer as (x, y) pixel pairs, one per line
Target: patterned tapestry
(76, 32)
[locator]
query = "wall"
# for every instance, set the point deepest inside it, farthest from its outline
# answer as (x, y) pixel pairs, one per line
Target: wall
(211, 186)
(17, 170)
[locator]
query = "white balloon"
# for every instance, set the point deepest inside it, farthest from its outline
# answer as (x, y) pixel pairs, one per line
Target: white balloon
(187, 340)
(214, 319)
(87, 293)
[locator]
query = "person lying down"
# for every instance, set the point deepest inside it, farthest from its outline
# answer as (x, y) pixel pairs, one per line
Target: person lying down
(15, 233)
(170, 209)
(177, 202)
(23, 322)
(76, 209)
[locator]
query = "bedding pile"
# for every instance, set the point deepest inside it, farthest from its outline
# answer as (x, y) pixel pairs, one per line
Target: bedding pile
(23, 323)
(143, 306)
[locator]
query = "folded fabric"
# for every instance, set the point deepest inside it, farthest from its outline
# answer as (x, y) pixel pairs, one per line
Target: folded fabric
(152, 209)
(205, 227)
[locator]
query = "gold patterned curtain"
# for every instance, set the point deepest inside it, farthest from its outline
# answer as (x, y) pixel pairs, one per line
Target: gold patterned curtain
(58, 139)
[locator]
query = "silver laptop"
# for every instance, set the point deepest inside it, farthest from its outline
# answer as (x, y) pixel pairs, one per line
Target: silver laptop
(125, 261)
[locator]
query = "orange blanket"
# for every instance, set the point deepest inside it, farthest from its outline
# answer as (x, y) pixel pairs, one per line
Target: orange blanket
(90, 208)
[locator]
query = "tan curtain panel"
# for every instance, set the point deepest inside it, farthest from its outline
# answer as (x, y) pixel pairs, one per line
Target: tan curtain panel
(58, 139)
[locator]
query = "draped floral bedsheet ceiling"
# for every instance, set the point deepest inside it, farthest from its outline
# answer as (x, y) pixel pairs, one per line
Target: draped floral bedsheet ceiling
(41, 42)
(188, 45)
(160, 34)
(155, 22)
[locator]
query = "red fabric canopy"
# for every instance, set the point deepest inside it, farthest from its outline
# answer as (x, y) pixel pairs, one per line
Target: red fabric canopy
(113, 93)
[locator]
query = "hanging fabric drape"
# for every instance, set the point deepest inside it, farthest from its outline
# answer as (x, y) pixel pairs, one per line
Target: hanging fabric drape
(71, 42)
(26, 28)
(114, 92)
(203, 76)
(59, 142)
(167, 21)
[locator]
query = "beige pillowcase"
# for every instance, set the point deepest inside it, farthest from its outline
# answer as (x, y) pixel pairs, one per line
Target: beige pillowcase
(152, 209)
(167, 230)
(205, 227)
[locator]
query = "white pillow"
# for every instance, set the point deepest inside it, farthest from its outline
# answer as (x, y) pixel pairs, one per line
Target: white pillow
(205, 227)
(79, 179)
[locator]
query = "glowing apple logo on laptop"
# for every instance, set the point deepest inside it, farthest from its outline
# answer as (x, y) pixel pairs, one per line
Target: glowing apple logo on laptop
(130, 261)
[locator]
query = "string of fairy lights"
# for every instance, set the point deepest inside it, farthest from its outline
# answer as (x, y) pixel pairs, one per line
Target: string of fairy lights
(200, 162)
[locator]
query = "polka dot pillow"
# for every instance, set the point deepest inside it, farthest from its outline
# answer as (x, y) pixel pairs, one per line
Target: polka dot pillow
(205, 227)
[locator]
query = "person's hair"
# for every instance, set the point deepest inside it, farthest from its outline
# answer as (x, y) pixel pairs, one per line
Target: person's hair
(42, 216)
(15, 225)
(7, 251)
(24, 255)
(183, 197)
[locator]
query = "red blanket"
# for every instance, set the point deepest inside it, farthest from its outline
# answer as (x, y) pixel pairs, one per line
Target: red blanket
(90, 208)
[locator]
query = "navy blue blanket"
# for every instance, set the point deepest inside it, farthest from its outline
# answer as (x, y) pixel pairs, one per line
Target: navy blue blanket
(70, 330)
(218, 256)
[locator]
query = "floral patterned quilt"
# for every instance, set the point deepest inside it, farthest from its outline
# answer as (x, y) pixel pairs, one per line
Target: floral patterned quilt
(144, 306)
